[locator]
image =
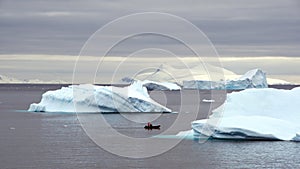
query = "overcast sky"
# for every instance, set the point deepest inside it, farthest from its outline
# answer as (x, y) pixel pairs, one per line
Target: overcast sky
(237, 28)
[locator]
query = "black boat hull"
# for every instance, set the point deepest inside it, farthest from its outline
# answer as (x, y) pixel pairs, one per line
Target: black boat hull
(152, 127)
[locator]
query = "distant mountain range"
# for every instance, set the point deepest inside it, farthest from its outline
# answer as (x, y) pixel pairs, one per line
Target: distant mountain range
(163, 73)
(6, 79)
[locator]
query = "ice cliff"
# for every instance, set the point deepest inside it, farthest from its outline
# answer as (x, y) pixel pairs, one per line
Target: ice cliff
(255, 114)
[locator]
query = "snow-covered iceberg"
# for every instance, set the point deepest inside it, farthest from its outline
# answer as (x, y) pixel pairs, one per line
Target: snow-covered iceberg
(152, 85)
(255, 78)
(203, 85)
(178, 74)
(91, 98)
(255, 114)
(205, 77)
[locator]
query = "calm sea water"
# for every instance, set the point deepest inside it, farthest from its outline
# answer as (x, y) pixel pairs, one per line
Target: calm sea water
(56, 140)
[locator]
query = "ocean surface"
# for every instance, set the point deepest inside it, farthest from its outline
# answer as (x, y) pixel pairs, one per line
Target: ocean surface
(57, 140)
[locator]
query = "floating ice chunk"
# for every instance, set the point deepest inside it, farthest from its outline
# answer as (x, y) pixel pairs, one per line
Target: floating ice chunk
(255, 78)
(203, 84)
(208, 100)
(255, 114)
(91, 98)
(37, 107)
(185, 133)
(244, 127)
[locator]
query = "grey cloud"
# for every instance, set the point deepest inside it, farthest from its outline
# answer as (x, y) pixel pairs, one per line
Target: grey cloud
(62, 27)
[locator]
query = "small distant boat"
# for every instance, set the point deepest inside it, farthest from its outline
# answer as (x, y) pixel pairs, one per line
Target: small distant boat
(152, 127)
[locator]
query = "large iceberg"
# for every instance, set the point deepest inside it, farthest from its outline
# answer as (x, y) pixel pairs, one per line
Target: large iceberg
(255, 78)
(203, 85)
(91, 98)
(255, 114)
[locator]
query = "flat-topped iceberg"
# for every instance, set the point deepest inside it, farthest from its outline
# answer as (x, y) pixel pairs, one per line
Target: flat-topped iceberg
(91, 98)
(203, 85)
(255, 78)
(255, 114)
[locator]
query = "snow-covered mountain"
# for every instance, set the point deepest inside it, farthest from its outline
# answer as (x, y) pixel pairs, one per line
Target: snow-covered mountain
(6, 79)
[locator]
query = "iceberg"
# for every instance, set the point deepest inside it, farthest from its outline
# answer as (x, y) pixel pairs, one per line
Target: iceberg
(178, 74)
(91, 98)
(255, 114)
(255, 78)
(203, 85)
(153, 85)
(198, 77)
(208, 101)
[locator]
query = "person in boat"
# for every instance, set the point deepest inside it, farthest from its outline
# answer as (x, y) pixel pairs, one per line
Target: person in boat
(149, 125)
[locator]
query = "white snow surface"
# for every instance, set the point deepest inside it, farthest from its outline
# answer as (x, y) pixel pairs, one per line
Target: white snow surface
(255, 114)
(91, 98)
